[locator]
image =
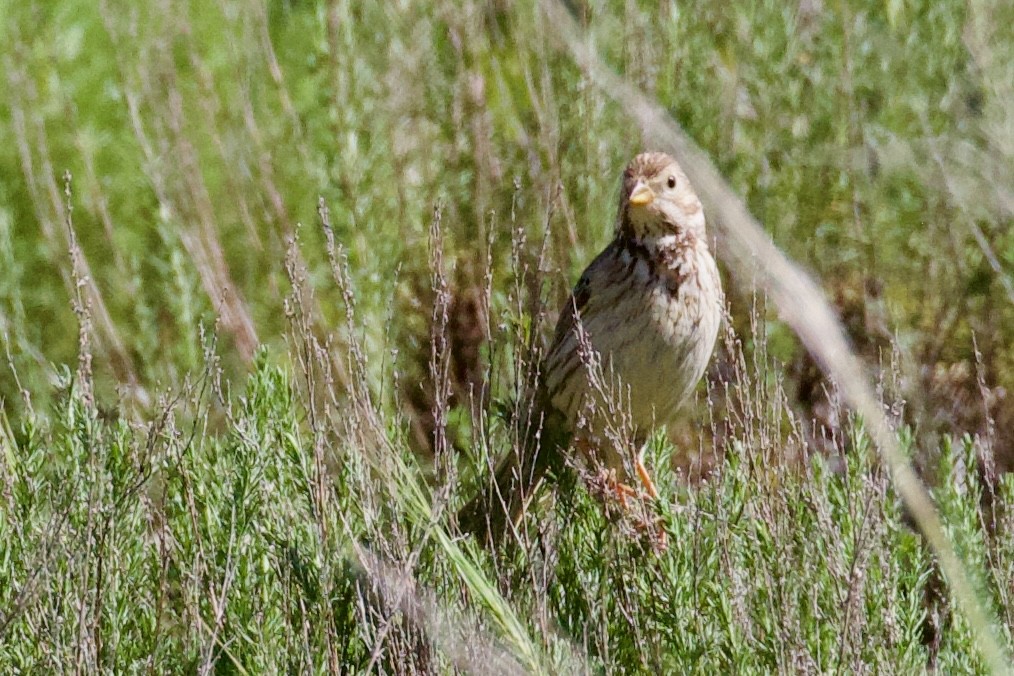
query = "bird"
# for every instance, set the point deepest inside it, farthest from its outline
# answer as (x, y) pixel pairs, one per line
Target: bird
(631, 343)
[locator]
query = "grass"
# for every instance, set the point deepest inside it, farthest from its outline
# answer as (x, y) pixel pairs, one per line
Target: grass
(164, 548)
(273, 276)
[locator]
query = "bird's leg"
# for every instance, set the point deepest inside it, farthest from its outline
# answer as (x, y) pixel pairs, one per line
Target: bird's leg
(622, 490)
(642, 472)
(653, 527)
(609, 487)
(608, 479)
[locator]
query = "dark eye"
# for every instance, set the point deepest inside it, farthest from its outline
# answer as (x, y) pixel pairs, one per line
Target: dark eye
(671, 182)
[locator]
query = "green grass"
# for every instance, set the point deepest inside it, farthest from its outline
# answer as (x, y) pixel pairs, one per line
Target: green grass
(234, 429)
(186, 136)
(164, 548)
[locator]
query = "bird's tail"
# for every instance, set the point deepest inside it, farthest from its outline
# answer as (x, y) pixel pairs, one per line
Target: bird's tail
(501, 503)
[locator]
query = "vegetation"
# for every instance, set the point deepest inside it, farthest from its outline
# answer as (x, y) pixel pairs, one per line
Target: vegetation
(272, 277)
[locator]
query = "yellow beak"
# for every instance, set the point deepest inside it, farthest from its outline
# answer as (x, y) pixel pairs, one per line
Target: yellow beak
(641, 195)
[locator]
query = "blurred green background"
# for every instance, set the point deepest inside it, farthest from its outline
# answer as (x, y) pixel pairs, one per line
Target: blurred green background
(872, 139)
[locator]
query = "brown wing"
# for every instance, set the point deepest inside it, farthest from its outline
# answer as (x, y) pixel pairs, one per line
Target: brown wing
(501, 503)
(602, 267)
(575, 305)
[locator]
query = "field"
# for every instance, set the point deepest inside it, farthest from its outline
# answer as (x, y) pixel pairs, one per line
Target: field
(275, 276)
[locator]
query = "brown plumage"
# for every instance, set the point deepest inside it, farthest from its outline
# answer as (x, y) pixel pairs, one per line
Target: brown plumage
(632, 341)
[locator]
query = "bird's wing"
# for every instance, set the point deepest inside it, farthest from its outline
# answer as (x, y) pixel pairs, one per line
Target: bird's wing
(583, 295)
(501, 503)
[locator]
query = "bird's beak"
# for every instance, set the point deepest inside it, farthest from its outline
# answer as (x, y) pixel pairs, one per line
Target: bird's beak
(641, 195)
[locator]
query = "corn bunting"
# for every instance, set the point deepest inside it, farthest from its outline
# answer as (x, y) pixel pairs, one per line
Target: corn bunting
(632, 341)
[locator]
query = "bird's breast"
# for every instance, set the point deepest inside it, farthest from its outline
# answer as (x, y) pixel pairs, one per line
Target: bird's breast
(652, 327)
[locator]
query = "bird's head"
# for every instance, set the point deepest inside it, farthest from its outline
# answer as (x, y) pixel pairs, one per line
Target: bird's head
(657, 201)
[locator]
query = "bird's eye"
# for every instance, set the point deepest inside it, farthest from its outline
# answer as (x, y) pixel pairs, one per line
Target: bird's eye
(671, 182)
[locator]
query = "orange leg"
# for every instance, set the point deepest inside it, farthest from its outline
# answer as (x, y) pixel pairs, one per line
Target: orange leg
(624, 491)
(611, 486)
(659, 539)
(642, 472)
(620, 490)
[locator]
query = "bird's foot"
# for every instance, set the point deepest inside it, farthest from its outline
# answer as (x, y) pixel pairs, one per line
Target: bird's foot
(606, 485)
